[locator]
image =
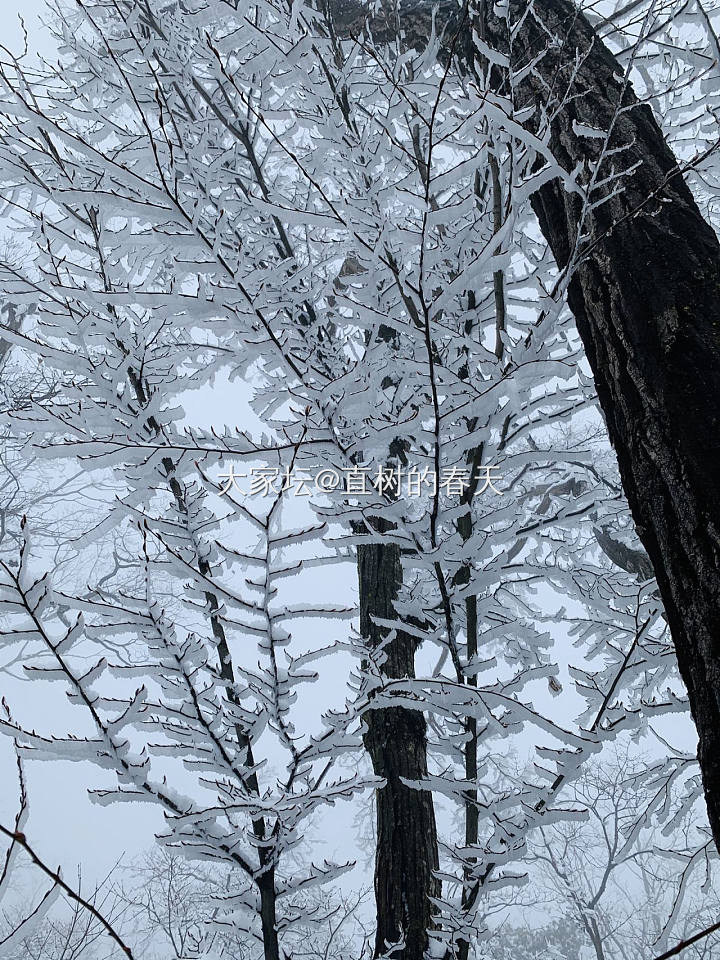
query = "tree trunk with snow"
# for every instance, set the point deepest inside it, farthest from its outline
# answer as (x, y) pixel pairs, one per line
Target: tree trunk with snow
(645, 293)
(646, 298)
(406, 849)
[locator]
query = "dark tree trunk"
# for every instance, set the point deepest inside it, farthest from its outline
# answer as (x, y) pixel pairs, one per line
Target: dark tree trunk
(646, 298)
(406, 853)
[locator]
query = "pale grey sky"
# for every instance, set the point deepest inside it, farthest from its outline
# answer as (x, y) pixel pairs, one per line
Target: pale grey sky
(11, 33)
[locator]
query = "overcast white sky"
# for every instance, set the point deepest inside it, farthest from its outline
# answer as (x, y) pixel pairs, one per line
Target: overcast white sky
(11, 34)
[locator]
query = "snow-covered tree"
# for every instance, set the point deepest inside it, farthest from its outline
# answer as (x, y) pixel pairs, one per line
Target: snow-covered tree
(257, 252)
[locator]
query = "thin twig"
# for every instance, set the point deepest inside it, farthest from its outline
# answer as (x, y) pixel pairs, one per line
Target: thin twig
(16, 837)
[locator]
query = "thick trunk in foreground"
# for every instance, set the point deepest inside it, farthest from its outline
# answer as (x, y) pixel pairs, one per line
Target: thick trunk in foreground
(647, 304)
(406, 852)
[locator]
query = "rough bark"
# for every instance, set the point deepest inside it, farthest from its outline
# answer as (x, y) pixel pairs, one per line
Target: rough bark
(406, 852)
(646, 298)
(647, 304)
